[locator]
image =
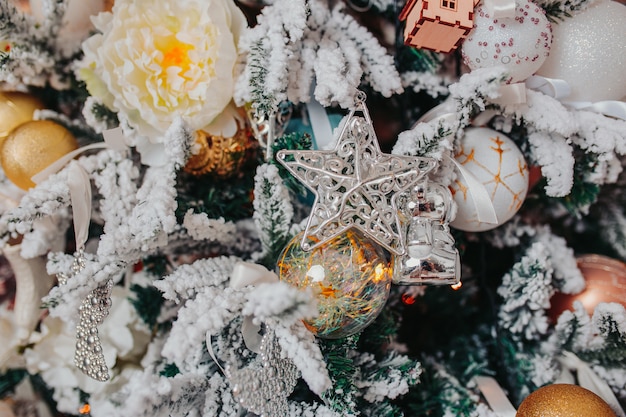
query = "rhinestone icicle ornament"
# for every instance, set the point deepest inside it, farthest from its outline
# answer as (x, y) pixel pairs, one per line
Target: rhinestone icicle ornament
(92, 311)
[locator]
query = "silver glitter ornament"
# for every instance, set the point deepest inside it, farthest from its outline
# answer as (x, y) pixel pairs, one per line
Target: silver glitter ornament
(268, 127)
(431, 257)
(264, 389)
(77, 265)
(92, 311)
(355, 185)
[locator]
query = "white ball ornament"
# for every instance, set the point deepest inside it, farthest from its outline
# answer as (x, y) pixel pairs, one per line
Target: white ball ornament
(589, 52)
(520, 44)
(498, 164)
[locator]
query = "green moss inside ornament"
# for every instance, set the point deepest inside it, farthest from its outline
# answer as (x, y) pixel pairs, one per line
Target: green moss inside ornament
(350, 276)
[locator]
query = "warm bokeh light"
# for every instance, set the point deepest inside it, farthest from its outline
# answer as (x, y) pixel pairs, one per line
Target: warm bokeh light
(408, 299)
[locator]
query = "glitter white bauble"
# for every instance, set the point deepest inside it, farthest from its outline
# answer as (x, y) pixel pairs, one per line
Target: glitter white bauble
(589, 52)
(497, 163)
(520, 44)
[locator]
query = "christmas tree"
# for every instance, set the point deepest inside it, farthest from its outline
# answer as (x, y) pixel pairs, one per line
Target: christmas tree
(312, 207)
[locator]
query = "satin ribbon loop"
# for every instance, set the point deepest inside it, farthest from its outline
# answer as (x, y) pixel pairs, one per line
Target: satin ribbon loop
(248, 273)
(553, 87)
(495, 396)
(483, 204)
(78, 181)
(113, 139)
(560, 89)
(611, 108)
(243, 275)
(499, 9)
(322, 130)
(511, 94)
(56, 166)
(80, 195)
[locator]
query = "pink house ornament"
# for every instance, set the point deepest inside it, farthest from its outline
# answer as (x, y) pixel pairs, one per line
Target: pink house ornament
(438, 25)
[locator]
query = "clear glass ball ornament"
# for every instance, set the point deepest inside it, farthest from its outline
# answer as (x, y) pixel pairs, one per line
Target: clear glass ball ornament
(350, 276)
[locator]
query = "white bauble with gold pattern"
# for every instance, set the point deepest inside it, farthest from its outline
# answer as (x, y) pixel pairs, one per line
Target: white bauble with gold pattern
(498, 164)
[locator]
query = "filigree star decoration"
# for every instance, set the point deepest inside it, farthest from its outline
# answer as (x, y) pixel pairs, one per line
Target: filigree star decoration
(355, 185)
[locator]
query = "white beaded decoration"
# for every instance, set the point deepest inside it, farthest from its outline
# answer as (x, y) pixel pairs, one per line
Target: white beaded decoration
(520, 44)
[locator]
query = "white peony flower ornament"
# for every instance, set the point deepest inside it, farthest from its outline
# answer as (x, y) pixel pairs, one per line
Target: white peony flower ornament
(157, 60)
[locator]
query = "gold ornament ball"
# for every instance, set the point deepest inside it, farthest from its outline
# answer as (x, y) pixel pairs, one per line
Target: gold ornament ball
(15, 109)
(221, 156)
(564, 400)
(31, 147)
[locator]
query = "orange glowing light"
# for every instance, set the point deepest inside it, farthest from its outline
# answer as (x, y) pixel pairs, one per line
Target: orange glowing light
(456, 286)
(408, 299)
(380, 273)
(327, 291)
(85, 409)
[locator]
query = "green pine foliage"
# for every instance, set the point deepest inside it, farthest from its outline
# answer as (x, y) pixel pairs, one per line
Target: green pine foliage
(342, 396)
(147, 302)
(291, 141)
(10, 379)
(206, 194)
(263, 104)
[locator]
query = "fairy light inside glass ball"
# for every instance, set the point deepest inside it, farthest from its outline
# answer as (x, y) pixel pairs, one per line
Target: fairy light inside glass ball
(350, 276)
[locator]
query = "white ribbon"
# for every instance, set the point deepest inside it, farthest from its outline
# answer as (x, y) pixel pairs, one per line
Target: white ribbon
(612, 108)
(244, 274)
(499, 9)
(113, 138)
(560, 89)
(511, 94)
(495, 396)
(552, 87)
(78, 181)
(483, 204)
(322, 130)
(248, 273)
(588, 379)
(80, 195)
(56, 166)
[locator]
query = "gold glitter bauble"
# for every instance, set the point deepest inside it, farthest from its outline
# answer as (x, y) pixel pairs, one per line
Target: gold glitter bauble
(350, 277)
(220, 156)
(31, 147)
(564, 400)
(15, 109)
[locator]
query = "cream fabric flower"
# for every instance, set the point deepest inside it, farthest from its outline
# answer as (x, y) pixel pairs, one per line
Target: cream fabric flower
(156, 60)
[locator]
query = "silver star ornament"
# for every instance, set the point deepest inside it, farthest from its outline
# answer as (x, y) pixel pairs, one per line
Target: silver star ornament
(355, 185)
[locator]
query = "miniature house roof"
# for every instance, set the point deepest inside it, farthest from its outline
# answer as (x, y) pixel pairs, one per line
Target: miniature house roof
(439, 25)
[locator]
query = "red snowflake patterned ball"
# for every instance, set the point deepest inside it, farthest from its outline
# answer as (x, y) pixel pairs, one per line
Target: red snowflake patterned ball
(520, 44)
